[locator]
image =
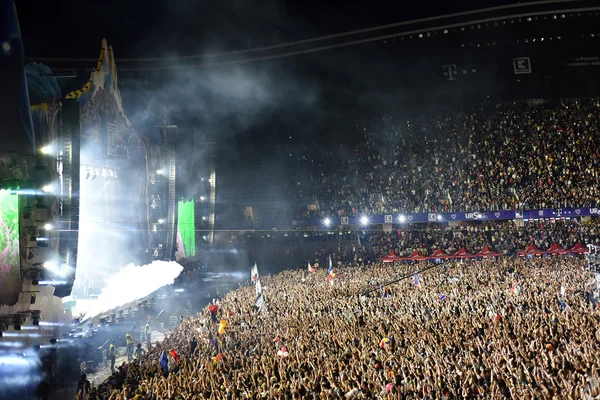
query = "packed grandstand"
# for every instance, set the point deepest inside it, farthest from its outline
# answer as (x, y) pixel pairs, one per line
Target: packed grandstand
(509, 324)
(491, 157)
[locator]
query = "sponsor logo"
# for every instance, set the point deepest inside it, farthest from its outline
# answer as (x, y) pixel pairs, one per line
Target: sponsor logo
(388, 219)
(474, 215)
(578, 211)
(409, 218)
(344, 220)
(522, 65)
(431, 217)
(453, 216)
(497, 214)
(593, 211)
(450, 71)
(541, 213)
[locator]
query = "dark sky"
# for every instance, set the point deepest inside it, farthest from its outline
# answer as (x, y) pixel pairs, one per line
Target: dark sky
(74, 28)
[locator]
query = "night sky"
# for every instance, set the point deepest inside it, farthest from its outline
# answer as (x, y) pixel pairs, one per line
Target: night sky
(154, 27)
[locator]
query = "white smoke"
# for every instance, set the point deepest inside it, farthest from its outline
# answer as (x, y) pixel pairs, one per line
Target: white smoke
(133, 283)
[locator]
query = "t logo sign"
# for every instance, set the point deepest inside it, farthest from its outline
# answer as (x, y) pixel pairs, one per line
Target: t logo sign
(522, 65)
(450, 71)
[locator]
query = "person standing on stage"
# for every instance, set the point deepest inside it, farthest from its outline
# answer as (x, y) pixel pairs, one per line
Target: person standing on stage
(112, 355)
(129, 342)
(148, 333)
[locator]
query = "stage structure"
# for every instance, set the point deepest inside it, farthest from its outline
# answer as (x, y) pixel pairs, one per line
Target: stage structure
(36, 196)
(163, 206)
(117, 173)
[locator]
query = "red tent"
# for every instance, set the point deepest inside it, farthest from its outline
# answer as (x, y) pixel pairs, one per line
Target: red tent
(579, 249)
(391, 257)
(439, 253)
(556, 249)
(463, 253)
(416, 256)
(531, 251)
(487, 252)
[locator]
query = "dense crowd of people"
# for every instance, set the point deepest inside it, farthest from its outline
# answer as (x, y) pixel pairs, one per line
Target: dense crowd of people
(505, 237)
(509, 327)
(509, 157)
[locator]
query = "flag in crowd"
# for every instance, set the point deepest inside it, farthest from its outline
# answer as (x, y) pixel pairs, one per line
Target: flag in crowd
(417, 281)
(311, 269)
(563, 305)
(330, 270)
(254, 273)
(164, 361)
(516, 289)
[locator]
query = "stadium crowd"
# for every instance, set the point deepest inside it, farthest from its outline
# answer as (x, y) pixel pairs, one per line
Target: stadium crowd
(509, 157)
(505, 237)
(498, 328)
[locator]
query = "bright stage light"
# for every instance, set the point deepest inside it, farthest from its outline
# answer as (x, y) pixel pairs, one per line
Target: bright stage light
(161, 221)
(179, 290)
(160, 172)
(201, 198)
(364, 220)
(326, 222)
(439, 217)
(48, 227)
(402, 218)
(47, 188)
(6, 46)
(203, 218)
(52, 283)
(46, 150)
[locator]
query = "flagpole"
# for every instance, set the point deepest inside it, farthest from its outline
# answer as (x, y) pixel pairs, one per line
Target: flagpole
(403, 277)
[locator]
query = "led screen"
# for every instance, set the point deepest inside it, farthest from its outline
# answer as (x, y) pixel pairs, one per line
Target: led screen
(186, 229)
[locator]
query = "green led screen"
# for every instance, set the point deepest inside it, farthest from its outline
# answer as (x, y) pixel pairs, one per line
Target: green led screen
(10, 271)
(186, 227)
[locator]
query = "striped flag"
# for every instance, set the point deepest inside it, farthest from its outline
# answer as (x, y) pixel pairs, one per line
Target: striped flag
(330, 270)
(311, 269)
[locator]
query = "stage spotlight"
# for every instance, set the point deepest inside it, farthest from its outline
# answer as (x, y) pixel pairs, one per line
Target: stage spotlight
(326, 222)
(160, 172)
(201, 198)
(47, 188)
(203, 218)
(439, 217)
(46, 150)
(48, 227)
(161, 221)
(52, 283)
(6, 47)
(402, 218)
(364, 220)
